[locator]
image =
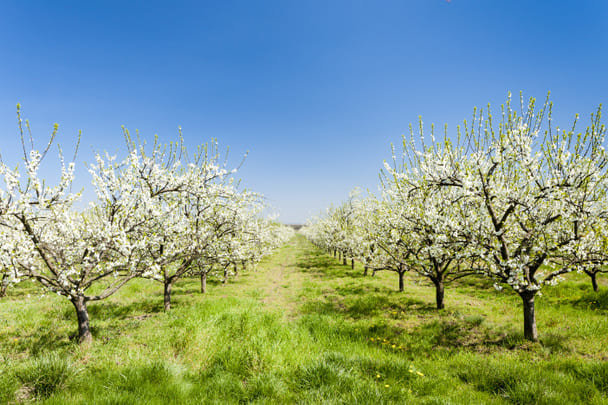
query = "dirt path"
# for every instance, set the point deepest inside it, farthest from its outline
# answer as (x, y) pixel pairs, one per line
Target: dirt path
(283, 281)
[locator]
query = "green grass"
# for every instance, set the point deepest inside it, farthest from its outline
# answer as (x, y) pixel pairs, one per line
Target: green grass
(305, 329)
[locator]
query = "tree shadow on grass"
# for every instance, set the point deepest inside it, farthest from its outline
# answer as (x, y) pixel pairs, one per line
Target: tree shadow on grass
(421, 327)
(453, 333)
(555, 342)
(108, 310)
(320, 265)
(109, 319)
(592, 300)
(44, 339)
(359, 301)
(456, 333)
(438, 335)
(328, 269)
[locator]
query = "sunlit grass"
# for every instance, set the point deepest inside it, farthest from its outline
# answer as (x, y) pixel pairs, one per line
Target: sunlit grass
(305, 329)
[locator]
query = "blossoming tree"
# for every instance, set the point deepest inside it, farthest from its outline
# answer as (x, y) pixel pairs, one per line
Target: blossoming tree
(531, 194)
(424, 226)
(68, 251)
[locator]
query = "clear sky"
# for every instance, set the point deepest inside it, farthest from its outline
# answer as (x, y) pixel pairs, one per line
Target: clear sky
(315, 90)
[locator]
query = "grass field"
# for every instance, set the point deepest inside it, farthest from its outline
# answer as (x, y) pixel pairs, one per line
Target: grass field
(305, 329)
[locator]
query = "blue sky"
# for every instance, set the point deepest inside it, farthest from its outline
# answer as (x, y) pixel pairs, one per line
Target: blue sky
(315, 90)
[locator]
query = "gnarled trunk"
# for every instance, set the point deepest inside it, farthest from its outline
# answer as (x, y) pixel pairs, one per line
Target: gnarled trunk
(439, 293)
(365, 270)
(530, 331)
(593, 276)
(3, 286)
(168, 288)
(84, 330)
(401, 272)
(594, 282)
(203, 283)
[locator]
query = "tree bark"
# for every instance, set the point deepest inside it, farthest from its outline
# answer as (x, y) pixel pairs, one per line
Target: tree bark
(168, 288)
(236, 270)
(352, 264)
(530, 331)
(335, 253)
(84, 330)
(344, 260)
(225, 275)
(365, 270)
(203, 283)
(3, 285)
(594, 282)
(439, 293)
(401, 285)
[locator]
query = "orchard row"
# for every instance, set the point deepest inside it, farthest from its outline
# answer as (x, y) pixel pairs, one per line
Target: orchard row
(160, 213)
(521, 202)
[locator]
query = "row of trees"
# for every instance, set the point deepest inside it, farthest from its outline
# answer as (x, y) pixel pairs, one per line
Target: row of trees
(159, 214)
(520, 202)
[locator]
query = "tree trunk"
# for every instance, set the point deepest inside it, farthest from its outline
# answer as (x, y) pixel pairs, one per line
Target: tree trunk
(168, 287)
(225, 275)
(352, 264)
(439, 293)
(84, 330)
(401, 286)
(335, 253)
(203, 283)
(365, 270)
(594, 281)
(344, 260)
(3, 285)
(236, 270)
(530, 331)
